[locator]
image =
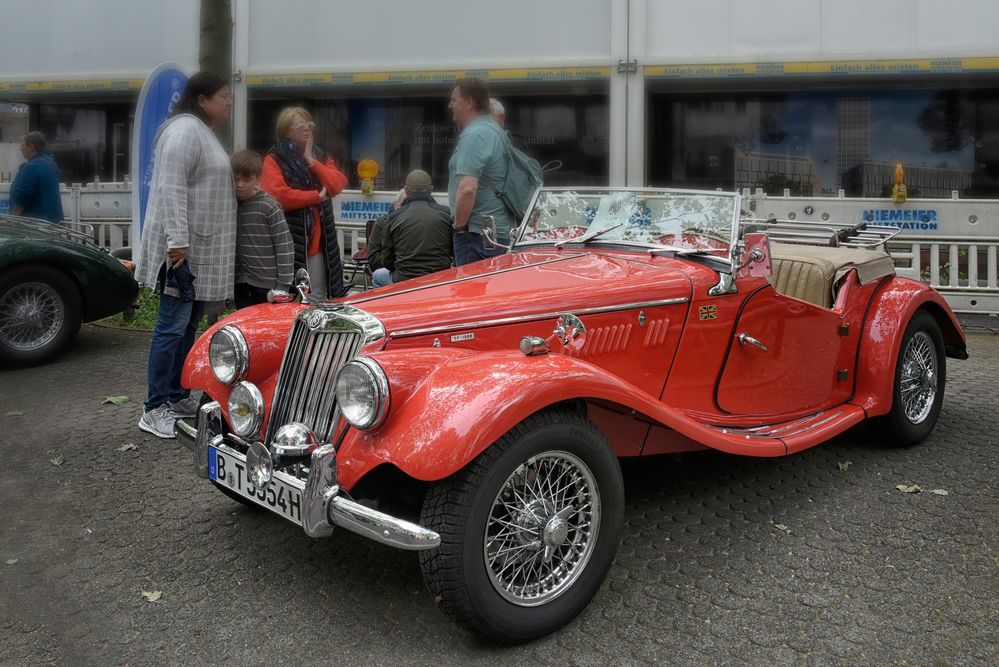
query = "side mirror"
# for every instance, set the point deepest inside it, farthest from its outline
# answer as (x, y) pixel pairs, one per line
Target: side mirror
(755, 256)
(489, 240)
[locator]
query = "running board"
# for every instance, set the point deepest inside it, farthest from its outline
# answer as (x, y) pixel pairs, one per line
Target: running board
(799, 434)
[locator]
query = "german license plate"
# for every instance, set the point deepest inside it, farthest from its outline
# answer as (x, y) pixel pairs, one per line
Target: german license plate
(280, 496)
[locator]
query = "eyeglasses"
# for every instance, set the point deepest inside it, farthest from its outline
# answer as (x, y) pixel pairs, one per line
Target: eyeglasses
(304, 126)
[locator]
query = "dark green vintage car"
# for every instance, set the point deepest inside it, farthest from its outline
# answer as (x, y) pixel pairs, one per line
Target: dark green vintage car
(51, 280)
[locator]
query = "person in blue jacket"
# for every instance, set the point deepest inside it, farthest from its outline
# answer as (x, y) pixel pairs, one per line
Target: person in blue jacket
(35, 190)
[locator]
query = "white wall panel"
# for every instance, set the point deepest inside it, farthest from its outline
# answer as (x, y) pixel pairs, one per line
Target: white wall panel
(311, 35)
(869, 26)
(769, 29)
(46, 39)
(761, 30)
(959, 26)
(678, 30)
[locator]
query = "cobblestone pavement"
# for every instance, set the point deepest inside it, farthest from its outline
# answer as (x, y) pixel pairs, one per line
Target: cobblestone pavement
(723, 560)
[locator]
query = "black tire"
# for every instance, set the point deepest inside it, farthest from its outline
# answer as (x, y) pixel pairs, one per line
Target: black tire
(53, 303)
(912, 418)
(460, 507)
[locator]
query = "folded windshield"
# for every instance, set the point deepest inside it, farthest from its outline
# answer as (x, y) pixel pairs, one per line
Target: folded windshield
(694, 221)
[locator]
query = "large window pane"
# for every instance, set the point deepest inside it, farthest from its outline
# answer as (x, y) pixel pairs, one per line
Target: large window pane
(402, 134)
(813, 143)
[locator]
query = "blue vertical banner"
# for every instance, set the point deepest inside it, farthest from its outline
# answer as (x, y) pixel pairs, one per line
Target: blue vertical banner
(160, 93)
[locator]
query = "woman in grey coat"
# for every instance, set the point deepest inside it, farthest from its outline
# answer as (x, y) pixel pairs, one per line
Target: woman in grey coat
(188, 241)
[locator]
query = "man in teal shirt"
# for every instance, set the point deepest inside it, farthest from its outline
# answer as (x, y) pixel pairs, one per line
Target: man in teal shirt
(477, 167)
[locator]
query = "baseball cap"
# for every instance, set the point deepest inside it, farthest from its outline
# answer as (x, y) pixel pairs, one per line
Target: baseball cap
(419, 180)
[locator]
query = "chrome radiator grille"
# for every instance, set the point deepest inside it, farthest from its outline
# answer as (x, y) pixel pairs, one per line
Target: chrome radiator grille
(304, 391)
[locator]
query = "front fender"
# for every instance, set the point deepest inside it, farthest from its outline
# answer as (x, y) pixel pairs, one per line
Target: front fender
(465, 401)
(892, 307)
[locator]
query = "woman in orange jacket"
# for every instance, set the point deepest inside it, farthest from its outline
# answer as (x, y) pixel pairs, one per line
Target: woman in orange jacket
(304, 179)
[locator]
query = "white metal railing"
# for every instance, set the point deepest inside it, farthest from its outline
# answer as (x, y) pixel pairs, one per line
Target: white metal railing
(951, 244)
(963, 270)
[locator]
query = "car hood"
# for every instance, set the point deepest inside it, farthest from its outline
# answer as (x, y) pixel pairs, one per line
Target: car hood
(523, 284)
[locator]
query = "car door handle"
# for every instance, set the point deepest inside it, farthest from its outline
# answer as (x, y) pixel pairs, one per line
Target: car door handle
(744, 338)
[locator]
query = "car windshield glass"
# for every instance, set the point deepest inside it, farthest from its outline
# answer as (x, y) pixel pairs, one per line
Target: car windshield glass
(694, 221)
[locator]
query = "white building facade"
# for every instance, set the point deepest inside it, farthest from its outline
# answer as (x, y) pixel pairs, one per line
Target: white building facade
(635, 92)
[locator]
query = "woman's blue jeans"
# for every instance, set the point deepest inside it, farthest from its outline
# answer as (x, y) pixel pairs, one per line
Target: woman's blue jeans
(173, 337)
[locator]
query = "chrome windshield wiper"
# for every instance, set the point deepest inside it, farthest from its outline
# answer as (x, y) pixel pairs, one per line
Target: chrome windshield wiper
(589, 237)
(686, 251)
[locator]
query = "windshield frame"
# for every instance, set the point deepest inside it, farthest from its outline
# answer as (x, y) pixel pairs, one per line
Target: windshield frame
(736, 197)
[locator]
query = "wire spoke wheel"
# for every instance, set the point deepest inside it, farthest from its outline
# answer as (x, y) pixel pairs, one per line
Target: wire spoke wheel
(31, 315)
(918, 378)
(542, 528)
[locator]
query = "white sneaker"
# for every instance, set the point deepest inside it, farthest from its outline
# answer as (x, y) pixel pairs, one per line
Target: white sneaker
(185, 407)
(158, 421)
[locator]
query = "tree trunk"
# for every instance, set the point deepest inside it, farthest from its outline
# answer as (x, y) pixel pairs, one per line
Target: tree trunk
(215, 53)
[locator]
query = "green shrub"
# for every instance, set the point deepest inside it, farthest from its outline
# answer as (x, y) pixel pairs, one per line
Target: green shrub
(145, 311)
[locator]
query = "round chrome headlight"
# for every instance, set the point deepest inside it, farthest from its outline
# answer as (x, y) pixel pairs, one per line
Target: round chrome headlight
(362, 392)
(246, 409)
(228, 354)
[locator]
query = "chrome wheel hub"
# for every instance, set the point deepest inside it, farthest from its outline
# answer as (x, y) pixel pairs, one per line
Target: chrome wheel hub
(556, 532)
(542, 528)
(918, 378)
(31, 315)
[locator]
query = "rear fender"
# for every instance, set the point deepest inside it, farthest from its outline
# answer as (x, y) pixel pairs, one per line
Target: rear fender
(447, 406)
(891, 309)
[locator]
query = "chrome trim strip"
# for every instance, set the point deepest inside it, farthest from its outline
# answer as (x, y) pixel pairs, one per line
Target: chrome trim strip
(783, 429)
(538, 316)
(461, 280)
(611, 188)
(813, 425)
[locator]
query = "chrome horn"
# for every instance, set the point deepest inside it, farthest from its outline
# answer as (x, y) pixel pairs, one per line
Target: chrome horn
(569, 330)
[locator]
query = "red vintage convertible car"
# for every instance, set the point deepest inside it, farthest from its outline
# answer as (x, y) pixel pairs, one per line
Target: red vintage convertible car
(477, 415)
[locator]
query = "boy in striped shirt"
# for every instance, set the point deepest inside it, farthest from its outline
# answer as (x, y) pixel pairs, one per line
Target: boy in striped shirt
(265, 253)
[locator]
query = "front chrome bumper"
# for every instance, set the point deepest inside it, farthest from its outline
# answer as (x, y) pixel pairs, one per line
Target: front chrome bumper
(324, 506)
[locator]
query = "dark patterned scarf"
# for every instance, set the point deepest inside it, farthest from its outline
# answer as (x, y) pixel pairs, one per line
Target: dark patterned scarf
(296, 173)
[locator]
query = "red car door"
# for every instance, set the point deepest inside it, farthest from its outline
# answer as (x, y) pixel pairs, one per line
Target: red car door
(783, 358)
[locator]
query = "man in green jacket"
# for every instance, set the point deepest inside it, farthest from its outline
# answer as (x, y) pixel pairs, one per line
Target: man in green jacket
(416, 237)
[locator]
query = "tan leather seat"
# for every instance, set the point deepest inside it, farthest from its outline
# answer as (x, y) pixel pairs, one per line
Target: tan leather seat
(805, 279)
(810, 272)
